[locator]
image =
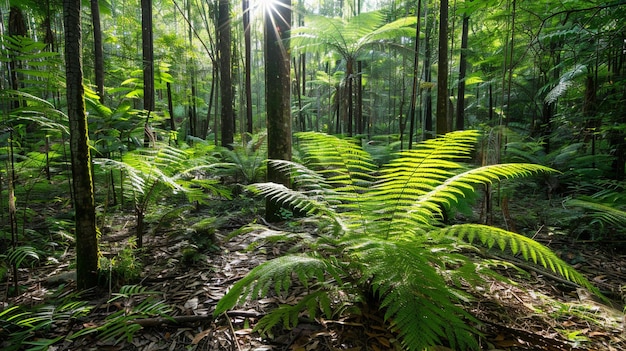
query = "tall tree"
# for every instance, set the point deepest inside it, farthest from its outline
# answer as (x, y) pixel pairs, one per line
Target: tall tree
(148, 69)
(351, 39)
(84, 204)
(98, 49)
(442, 71)
(277, 92)
(460, 102)
(226, 82)
(248, 64)
(414, 88)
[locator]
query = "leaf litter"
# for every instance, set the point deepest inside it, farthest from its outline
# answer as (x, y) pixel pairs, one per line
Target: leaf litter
(536, 313)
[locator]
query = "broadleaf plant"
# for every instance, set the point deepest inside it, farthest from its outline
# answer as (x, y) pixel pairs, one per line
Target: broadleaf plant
(388, 245)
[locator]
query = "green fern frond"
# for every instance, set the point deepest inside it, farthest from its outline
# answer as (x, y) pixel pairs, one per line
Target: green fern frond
(418, 302)
(602, 213)
(292, 198)
(16, 256)
(289, 315)
(278, 273)
(529, 249)
(453, 189)
(342, 162)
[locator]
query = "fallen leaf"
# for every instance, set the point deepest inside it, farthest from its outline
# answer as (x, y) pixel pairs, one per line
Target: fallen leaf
(201, 335)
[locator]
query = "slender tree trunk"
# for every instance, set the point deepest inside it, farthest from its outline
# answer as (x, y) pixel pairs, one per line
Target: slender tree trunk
(460, 102)
(147, 46)
(84, 204)
(17, 27)
(428, 100)
(297, 74)
(277, 92)
(358, 113)
(193, 115)
(349, 83)
(226, 86)
(170, 108)
(247, 62)
(415, 87)
(442, 70)
(97, 49)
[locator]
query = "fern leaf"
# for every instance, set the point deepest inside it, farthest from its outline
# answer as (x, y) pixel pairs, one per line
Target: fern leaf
(344, 164)
(278, 273)
(418, 302)
(289, 315)
(453, 189)
(603, 213)
(516, 243)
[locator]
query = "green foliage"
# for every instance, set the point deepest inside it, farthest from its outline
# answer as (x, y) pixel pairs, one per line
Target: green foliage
(125, 267)
(604, 211)
(387, 240)
(151, 173)
(245, 164)
(138, 303)
(21, 327)
(17, 256)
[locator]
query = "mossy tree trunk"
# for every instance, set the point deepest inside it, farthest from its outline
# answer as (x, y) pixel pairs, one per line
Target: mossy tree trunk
(277, 90)
(84, 204)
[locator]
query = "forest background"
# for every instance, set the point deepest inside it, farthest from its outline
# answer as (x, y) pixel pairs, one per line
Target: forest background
(186, 86)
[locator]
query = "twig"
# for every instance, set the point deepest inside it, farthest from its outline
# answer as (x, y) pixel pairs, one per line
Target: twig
(230, 323)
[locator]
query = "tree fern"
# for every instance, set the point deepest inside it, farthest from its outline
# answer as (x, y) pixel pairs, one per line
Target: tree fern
(389, 239)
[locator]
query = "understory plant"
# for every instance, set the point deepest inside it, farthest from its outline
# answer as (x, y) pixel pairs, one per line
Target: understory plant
(604, 211)
(384, 241)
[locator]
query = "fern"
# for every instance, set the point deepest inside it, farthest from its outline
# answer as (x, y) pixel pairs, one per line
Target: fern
(122, 324)
(603, 211)
(388, 237)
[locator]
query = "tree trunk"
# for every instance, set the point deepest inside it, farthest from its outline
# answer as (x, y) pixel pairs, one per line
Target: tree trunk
(414, 87)
(97, 49)
(277, 92)
(460, 102)
(358, 114)
(148, 67)
(226, 86)
(170, 108)
(248, 65)
(17, 27)
(442, 70)
(86, 237)
(428, 101)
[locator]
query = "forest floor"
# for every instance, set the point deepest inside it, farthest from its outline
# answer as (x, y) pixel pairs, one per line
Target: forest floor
(540, 312)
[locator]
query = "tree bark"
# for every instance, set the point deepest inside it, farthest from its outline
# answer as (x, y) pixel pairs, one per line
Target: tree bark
(414, 88)
(460, 102)
(98, 49)
(277, 92)
(442, 70)
(226, 86)
(248, 64)
(84, 204)
(148, 67)
(427, 100)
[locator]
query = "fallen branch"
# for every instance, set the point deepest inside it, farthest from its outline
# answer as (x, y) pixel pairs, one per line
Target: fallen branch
(174, 320)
